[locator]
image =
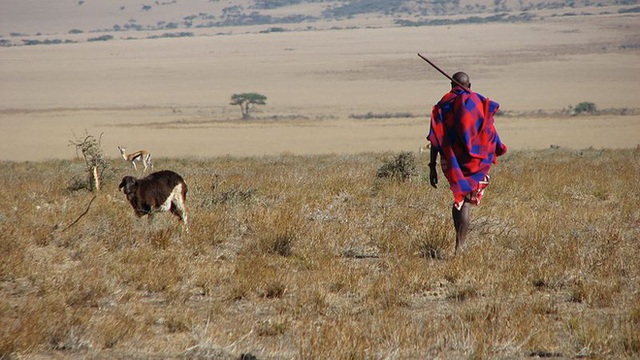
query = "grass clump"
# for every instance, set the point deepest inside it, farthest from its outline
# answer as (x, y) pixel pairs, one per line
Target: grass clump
(400, 167)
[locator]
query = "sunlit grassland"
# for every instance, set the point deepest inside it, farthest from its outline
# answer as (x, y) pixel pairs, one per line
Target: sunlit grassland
(314, 257)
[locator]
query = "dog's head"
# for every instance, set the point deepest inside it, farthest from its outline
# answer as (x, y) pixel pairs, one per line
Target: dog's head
(128, 185)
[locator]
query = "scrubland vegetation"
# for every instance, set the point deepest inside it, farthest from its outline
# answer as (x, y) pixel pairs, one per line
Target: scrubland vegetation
(316, 257)
(219, 15)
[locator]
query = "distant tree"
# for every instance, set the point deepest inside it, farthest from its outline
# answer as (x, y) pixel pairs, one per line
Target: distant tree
(500, 5)
(246, 101)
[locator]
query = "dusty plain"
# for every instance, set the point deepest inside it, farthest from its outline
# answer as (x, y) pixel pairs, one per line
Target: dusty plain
(171, 95)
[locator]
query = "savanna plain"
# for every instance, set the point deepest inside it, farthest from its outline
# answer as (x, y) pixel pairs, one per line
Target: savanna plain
(300, 246)
(317, 257)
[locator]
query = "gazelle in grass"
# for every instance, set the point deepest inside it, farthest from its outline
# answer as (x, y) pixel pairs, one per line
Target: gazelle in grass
(141, 155)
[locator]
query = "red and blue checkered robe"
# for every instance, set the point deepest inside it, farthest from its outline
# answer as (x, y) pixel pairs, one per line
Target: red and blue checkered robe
(463, 133)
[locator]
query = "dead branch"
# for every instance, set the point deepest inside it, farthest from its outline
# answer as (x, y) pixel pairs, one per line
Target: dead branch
(81, 215)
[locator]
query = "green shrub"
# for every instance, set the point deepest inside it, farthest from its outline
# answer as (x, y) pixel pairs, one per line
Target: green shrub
(371, 115)
(101, 38)
(585, 107)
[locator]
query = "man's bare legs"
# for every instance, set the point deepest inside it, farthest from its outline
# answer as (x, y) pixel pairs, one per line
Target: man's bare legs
(461, 223)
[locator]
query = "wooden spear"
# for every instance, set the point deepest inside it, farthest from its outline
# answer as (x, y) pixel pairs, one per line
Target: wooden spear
(444, 73)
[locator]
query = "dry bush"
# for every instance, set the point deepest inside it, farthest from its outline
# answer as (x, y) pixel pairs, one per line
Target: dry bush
(97, 165)
(314, 257)
(401, 167)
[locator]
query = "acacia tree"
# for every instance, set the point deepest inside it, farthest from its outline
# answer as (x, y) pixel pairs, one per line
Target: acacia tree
(246, 101)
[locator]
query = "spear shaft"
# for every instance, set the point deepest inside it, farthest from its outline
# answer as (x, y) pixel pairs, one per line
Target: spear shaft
(444, 73)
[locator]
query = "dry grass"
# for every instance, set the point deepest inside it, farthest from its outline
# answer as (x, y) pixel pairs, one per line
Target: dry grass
(314, 257)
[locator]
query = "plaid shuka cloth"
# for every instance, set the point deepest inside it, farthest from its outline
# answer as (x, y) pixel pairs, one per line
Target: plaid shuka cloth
(463, 132)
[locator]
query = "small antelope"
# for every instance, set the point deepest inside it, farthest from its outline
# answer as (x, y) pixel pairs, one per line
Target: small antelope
(141, 155)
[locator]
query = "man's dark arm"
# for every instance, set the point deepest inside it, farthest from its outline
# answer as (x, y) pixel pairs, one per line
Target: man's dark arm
(433, 173)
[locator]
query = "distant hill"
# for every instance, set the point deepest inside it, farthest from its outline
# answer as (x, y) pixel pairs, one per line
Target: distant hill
(21, 21)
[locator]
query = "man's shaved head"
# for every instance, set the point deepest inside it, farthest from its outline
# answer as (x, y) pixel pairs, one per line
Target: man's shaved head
(462, 78)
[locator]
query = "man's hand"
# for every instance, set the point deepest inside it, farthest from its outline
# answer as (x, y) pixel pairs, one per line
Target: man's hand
(433, 176)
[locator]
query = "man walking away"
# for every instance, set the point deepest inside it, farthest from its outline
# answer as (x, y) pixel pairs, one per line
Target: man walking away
(463, 133)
